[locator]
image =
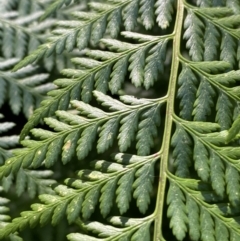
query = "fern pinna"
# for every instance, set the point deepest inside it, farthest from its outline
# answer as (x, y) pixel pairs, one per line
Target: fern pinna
(146, 121)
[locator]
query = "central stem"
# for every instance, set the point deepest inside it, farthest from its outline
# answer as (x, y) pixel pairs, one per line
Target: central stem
(168, 122)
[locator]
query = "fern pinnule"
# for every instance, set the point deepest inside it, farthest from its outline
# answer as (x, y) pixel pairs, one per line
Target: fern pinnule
(176, 202)
(231, 22)
(203, 104)
(217, 174)
(228, 78)
(228, 45)
(224, 108)
(193, 217)
(234, 130)
(211, 42)
(200, 155)
(164, 12)
(194, 36)
(187, 82)
(181, 161)
(232, 178)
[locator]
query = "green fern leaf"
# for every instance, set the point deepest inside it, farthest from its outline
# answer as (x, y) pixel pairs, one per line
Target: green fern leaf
(107, 195)
(164, 13)
(143, 186)
(181, 161)
(107, 135)
(127, 131)
(193, 217)
(207, 233)
(193, 34)
(25, 87)
(124, 191)
(148, 129)
(60, 98)
(175, 201)
(164, 98)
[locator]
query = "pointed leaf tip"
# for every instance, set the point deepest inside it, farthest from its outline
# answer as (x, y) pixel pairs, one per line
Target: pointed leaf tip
(234, 130)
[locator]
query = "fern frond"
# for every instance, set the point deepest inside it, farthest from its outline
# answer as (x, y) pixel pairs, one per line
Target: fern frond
(196, 181)
(23, 90)
(104, 17)
(18, 37)
(6, 142)
(136, 229)
(21, 32)
(81, 195)
(32, 181)
(57, 4)
(209, 162)
(190, 212)
(95, 74)
(214, 18)
(203, 104)
(78, 134)
(5, 218)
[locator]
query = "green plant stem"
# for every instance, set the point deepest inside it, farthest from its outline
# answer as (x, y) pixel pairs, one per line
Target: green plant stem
(168, 123)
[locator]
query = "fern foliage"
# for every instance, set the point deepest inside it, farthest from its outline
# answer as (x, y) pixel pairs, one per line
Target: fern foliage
(6, 143)
(26, 180)
(146, 120)
(23, 90)
(103, 18)
(19, 35)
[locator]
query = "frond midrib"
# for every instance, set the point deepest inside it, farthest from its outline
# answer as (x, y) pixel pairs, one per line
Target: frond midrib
(168, 122)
